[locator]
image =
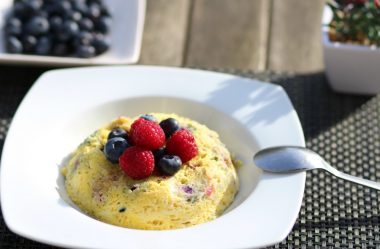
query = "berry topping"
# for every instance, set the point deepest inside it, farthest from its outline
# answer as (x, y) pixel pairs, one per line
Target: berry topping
(137, 163)
(118, 132)
(114, 148)
(182, 144)
(169, 164)
(169, 126)
(147, 134)
(159, 153)
(149, 117)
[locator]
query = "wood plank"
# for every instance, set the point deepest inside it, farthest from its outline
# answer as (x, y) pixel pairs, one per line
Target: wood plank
(225, 33)
(295, 36)
(165, 32)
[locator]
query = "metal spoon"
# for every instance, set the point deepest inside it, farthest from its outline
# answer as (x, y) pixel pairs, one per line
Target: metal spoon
(287, 159)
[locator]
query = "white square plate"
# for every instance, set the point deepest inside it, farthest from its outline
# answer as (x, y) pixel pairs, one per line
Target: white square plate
(65, 106)
(126, 34)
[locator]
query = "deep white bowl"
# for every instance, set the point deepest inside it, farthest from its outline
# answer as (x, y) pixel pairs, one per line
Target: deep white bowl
(65, 106)
(126, 34)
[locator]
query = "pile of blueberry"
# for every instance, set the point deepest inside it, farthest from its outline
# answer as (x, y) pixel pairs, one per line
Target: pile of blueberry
(76, 28)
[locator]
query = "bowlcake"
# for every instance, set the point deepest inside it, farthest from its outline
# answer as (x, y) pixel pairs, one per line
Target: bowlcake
(199, 192)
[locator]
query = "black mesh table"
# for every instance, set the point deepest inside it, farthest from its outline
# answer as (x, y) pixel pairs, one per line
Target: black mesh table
(344, 129)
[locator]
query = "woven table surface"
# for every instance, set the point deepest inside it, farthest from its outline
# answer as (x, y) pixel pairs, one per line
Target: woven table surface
(344, 129)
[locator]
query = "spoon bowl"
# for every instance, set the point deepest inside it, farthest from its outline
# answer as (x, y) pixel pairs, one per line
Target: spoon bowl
(290, 159)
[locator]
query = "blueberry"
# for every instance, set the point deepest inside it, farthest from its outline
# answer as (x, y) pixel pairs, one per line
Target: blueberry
(74, 15)
(43, 46)
(103, 25)
(158, 154)
(37, 25)
(118, 132)
(62, 6)
(101, 44)
(80, 6)
(42, 13)
(169, 164)
(83, 38)
(114, 148)
(33, 5)
(29, 43)
(13, 26)
(13, 45)
(20, 9)
(68, 29)
(169, 126)
(60, 49)
(104, 10)
(55, 23)
(149, 117)
(86, 24)
(94, 11)
(85, 51)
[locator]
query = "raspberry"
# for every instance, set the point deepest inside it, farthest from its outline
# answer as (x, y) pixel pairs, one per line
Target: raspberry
(137, 163)
(182, 144)
(147, 134)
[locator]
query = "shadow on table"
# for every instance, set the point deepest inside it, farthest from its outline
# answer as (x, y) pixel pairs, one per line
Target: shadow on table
(318, 106)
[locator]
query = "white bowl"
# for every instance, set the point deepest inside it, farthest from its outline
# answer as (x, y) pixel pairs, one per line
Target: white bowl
(65, 106)
(126, 34)
(350, 68)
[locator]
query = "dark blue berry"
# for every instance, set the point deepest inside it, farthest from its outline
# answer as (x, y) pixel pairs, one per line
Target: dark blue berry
(94, 11)
(118, 132)
(169, 126)
(169, 164)
(29, 43)
(158, 154)
(55, 23)
(33, 5)
(114, 148)
(85, 51)
(74, 15)
(13, 26)
(103, 25)
(105, 10)
(37, 25)
(62, 6)
(149, 117)
(43, 46)
(68, 29)
(101, 44)
(13, 45)
(86, 24)
(83, 38)
(60, 49)
(80, 6)
(20, 9)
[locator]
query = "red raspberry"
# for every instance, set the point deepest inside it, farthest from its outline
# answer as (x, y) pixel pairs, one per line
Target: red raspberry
(182, 144)
(147, 134)
(137, 163)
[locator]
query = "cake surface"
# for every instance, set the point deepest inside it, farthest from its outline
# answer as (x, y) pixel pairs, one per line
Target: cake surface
(199, 192)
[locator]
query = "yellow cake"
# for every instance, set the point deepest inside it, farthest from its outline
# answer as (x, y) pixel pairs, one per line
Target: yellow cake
(199, 192)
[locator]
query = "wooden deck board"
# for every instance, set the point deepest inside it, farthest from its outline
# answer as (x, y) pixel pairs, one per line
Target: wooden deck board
(242, 34)
(165, 32)
(225, 33)
(295, 36)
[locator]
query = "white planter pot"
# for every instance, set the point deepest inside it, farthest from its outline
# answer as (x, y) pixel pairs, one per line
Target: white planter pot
(350, 68)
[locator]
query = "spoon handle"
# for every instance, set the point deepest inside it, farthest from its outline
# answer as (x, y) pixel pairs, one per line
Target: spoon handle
(358, 180)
